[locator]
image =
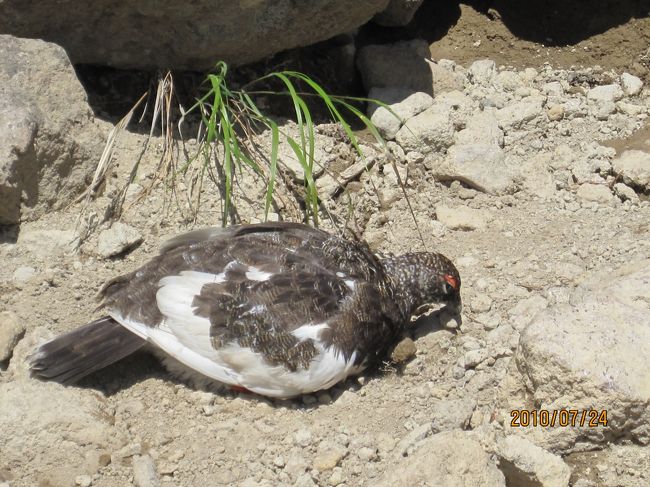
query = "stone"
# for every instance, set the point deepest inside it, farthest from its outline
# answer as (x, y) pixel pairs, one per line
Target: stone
(605, 93)
(631, 84)
(117, 240)
(46, 243)
(144, 472)
(23, 274)
(555, 113)
(481, 128)
(482, 71)
(449, 458)
(481, 166)
(634, 167)
(553, 88)
(527, 465)
(473, 358)
(328, 456)
(429, 131)
(625, 193)
(11, 331)
(404, 351)
(559, 362)
(49, 139)
(302, 438)
(517, 115)
(462, 217)
(384, 65)
(598, 193)
(83, 480)
(195, 36)
(398, 13)
(452, 414)
(37, 415)
(403, 103)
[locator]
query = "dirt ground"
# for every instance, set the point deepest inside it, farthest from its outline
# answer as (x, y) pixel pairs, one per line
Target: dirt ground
(533, 247)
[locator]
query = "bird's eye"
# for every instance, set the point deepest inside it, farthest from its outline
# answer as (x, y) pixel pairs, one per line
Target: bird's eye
(447, 288)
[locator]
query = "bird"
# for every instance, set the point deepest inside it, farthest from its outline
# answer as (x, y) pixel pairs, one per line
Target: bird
(278, 309)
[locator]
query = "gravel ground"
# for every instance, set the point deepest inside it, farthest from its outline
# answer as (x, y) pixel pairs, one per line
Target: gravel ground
(560, 211)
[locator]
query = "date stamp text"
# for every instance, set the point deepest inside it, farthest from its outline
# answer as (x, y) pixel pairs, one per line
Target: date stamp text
(524, 418)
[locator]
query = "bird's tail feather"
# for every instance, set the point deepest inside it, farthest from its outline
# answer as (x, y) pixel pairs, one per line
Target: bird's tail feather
(84, 350)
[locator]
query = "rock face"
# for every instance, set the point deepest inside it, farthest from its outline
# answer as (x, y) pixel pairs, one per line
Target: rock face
(398, 13)
(448, 458)
(182, 35)
(562, 363)
(49, 141)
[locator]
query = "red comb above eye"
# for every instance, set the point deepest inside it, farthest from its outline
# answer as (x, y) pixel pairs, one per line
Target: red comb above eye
(451, 280)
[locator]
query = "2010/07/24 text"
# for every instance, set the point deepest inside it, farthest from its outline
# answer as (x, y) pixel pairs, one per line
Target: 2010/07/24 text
(592, 418)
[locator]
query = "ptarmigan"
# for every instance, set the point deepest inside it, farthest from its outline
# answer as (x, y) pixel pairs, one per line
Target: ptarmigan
(279, 309)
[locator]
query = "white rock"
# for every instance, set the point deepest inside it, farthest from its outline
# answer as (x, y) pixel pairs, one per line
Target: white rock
(527, 465)
(474, 357)
(526, 309)
(605, 93)
(144, 472)
(481, 166)
(24, 274)
(631, 84)
(11, 331)
(481, 128)
(46, 243)
(303, 437)
(560, 360)
(404, 105)
(634, 167)
(595, 192)
(428, 131)
(117, 239)
(625, 193)
(516, 115)
(448, 458)
(482, 72)
(35, 416)
(452, 414)
(553, 88)
(462, 217)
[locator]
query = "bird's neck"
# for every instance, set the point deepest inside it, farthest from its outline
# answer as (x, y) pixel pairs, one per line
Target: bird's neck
(404, 274)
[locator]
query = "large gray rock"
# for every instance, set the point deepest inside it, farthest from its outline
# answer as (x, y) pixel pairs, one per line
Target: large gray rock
(591, 353)
(398, 13)
(49, 140)
(450, 458)
(182, 35)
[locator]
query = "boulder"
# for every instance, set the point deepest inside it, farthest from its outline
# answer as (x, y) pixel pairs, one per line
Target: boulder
(182, 35)
(50, 142)
(450, 458)
(403, 104)
(398, 13)
(634, 167)
(588, 354)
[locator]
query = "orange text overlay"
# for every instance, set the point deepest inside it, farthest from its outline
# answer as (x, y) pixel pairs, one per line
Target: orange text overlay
(524, 418)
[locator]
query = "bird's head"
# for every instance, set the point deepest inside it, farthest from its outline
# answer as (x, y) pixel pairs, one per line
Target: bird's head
(424, 278)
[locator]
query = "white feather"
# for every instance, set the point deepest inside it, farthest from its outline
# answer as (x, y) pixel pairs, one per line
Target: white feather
(306, 332)
(186, 337)
(254, 274)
